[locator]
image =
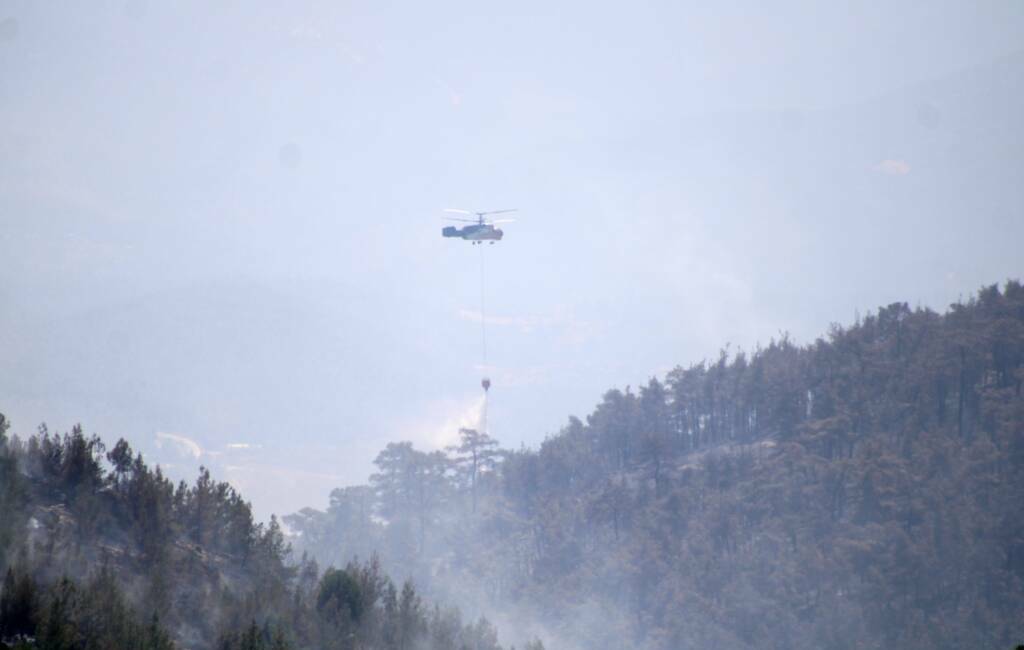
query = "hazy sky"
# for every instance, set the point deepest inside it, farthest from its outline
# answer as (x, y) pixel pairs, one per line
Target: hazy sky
(221, 220)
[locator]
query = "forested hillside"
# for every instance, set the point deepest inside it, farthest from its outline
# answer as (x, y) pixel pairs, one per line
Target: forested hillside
(99, 551)
(862, 491)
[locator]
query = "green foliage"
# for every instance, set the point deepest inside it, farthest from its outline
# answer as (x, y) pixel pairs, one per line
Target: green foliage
(135, 515)
(19, 605)
(193, 554)
(339, 598)
(171, 543)
(254, 637)
(476, 453)
(68, 617)
(12, 493)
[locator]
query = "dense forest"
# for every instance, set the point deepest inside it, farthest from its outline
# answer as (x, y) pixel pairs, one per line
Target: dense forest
(98, 551)
(862, 491)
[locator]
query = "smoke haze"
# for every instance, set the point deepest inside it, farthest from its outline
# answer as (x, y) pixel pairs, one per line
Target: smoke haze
(222, 220)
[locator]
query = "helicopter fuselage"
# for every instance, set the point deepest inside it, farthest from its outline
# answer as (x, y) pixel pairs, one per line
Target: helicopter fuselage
(474, 232)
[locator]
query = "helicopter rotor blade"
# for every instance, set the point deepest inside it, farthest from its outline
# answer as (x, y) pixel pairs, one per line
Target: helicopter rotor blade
(463, 220)
(497, 212)
(458, 211)
(501, 221)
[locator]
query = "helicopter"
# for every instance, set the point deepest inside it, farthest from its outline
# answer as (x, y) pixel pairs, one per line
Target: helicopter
(480, 230)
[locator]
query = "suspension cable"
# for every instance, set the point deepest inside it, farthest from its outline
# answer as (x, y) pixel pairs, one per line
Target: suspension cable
(483, 314)
(485, 382)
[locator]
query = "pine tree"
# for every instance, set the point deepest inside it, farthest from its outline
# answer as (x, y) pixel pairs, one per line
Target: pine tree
(476, 452)
(19, 605)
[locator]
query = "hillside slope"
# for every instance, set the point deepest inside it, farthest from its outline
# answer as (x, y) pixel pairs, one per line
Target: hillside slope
(861, 491)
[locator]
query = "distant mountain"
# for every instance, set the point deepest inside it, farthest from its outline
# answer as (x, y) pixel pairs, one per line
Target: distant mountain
(860, 491)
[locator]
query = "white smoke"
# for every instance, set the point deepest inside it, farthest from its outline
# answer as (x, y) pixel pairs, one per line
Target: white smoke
(439, 428)
(183, 445)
